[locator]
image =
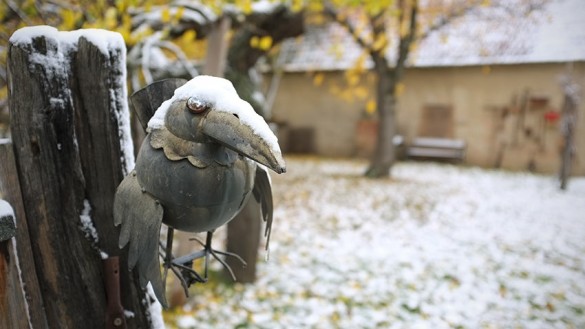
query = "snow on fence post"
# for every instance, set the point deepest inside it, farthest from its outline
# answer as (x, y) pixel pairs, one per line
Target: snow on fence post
(70, 129)
(12, 303)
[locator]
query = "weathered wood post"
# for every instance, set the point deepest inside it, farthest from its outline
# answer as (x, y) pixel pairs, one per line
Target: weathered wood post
(70, 129)
(18, 279)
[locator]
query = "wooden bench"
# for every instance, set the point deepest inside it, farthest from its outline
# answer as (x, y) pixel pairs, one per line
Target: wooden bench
(437, 149)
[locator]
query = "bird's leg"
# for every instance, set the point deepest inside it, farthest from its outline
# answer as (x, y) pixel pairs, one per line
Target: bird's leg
(184, 272)
(207, 250)
(187, 275)
(168, 256)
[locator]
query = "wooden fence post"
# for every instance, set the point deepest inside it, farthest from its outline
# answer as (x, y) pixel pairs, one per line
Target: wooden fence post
(22, 298)
(70, 128)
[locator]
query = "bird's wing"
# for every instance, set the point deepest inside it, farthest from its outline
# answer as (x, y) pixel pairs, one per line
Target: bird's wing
(140, 216)
(263, 194)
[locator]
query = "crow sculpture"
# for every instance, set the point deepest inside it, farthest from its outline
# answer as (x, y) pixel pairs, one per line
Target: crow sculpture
(204, 157)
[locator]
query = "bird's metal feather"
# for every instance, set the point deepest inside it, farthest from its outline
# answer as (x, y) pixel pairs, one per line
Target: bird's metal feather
(263, 194)
(140, 217)
(149, 98)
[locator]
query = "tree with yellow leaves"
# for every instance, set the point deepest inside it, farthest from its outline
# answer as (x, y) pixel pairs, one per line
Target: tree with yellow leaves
(388, 31)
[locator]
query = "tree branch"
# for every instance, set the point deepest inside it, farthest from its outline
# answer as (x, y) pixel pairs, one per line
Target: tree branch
(407, 40)
(333, 14)
(16, 11)
(448, 18)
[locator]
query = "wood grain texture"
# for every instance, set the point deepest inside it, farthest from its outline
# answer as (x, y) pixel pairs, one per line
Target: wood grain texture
(16, 299)
(67, 146)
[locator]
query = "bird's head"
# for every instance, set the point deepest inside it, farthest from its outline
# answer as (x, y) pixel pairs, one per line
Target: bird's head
(208, 109)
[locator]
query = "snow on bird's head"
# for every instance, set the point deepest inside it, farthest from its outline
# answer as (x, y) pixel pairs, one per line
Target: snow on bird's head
(212, 90)
(220, 95)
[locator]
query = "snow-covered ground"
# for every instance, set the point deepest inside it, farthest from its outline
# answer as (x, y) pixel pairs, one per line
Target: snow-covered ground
(435, 246)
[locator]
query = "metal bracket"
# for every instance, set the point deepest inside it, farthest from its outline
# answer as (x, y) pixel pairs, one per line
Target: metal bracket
(115, 312)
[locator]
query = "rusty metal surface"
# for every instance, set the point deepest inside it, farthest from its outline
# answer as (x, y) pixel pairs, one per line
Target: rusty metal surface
(115, 312)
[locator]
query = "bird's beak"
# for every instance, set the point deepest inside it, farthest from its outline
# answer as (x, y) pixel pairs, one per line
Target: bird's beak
(251, 138)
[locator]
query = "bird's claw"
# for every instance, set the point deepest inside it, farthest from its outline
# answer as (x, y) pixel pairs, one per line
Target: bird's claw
(184, 272)
(182, 266)
(207, 251)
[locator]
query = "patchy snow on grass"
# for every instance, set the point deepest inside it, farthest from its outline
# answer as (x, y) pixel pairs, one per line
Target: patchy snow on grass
(435, 246)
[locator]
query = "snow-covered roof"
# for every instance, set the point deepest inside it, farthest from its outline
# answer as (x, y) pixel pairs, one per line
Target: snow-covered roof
(488, 35)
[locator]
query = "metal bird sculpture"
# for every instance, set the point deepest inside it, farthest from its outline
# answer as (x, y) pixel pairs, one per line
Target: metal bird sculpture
(204, 157)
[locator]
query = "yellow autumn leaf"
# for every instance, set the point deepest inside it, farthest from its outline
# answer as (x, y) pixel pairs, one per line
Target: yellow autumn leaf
(189, 36)
(165, 15)
(380, 42)
(125, 34)
(360, 63)
(318, 79)
(245, 6)
(297, 5)
(127, 20)
(371, 106)
(179, 13)
(69, 18)
(121, 5)
(315, 6)
(265, 43)
(101, 5)
(373, 8)
(486, 69)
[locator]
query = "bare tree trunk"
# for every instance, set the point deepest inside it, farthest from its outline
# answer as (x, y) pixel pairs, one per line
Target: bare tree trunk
(568, 132)
(385, 153)
(388, 78)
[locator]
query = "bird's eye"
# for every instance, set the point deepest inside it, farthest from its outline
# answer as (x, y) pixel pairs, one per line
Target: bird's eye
(195, 105)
